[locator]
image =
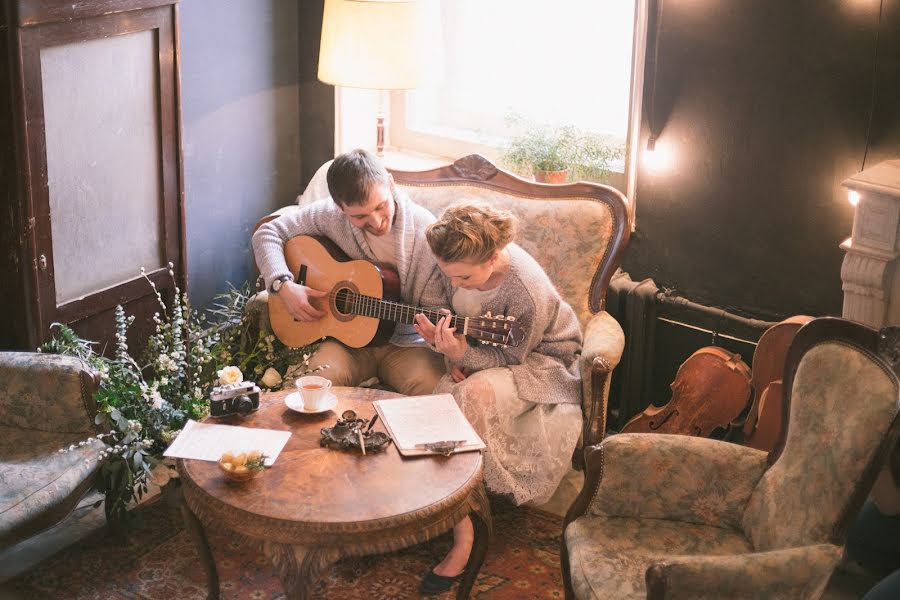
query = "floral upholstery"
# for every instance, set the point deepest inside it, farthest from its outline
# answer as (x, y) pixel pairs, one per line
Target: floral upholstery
(45, 405)
(665, 516)
(42, 392)
(686, 479)
(609, 555)
(824, 459)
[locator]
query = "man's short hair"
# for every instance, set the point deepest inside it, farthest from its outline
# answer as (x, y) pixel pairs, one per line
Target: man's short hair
(352, 175)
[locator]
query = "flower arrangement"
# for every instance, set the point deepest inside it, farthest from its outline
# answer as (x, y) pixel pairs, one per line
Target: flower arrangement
(146, 402)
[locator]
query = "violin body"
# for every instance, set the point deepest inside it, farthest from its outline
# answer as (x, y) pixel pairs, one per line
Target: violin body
(711, 389)
(762, 427)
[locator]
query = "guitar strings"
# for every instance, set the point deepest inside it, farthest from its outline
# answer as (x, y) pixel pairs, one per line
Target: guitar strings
(345, 295)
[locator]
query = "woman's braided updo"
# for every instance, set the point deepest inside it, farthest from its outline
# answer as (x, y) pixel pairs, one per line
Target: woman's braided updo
(471, 232)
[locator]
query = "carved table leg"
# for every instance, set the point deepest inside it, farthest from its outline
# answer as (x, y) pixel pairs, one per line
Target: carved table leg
(299, 567)
(195, 530)
(483, 524)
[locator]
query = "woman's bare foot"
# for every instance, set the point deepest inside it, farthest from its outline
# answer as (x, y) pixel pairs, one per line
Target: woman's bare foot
(456, 559)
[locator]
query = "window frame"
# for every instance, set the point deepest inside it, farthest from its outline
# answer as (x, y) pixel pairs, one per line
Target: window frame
(400, 138)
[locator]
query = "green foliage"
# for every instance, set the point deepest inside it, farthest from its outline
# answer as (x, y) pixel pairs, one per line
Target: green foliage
(542, 148)
(244, 345)
(145, 404)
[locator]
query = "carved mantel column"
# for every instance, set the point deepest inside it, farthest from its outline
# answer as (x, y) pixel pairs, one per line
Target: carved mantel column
(870, 282)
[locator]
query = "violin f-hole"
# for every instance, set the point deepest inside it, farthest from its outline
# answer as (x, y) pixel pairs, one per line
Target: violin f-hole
(654, 425)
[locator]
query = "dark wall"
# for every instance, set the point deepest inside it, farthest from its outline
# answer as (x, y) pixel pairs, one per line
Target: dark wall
(316, 98)
(765, 104)
(240, 98)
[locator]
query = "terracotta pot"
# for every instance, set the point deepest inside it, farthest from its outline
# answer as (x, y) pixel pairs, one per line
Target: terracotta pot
(552, 176)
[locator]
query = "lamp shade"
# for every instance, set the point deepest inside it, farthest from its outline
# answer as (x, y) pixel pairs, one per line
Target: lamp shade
(378, 44)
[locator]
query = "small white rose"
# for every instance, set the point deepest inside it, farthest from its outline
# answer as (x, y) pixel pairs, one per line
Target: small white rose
(230, 375)
(271, 378)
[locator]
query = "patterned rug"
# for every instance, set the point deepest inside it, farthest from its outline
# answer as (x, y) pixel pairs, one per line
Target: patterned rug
(159, 562)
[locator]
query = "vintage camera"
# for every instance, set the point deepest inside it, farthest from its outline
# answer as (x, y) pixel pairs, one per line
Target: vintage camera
(234, 399)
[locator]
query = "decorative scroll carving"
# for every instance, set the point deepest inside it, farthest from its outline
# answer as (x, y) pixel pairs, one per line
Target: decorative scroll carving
(474, 167)
(866, 287)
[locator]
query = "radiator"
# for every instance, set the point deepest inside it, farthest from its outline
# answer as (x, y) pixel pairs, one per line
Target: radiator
(661, 331)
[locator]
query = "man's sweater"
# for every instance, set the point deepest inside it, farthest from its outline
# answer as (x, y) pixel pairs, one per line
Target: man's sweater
(416, 264)
(545, 364)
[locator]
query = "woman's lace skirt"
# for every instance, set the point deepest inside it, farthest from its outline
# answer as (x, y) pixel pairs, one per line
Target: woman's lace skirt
(529, 446)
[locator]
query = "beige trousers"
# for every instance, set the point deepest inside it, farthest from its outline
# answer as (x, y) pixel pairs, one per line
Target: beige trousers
(412, 371)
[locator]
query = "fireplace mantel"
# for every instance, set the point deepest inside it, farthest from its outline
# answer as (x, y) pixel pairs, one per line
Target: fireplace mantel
(870, 284)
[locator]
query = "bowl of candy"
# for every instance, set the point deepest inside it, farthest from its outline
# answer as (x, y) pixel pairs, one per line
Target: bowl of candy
(242, 466)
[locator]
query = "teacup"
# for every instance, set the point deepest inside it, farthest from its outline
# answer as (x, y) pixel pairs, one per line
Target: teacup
(314, 391)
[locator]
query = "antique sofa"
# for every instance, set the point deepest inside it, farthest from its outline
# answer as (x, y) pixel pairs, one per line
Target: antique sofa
(46, 404)
(577, 232)
(674, 516)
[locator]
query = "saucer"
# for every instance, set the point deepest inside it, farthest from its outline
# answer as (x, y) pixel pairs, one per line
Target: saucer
(294, 402)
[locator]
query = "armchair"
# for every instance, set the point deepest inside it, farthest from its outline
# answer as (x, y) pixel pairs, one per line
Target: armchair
(577, 232)
(668, 516)
(46, 403)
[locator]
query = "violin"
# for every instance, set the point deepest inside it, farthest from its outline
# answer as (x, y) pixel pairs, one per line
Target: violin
(711, 389)
(762, 427)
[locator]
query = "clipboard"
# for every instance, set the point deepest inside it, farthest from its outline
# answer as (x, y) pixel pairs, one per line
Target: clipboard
(427, 425)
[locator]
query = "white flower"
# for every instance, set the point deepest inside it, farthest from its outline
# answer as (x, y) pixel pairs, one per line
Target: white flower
(166, 363)
(163, 381)
(271, 378)
(135, 426)
(156, 400)
(230, 375)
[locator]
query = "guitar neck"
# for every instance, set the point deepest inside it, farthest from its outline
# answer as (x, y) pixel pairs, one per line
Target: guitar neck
(386, 310)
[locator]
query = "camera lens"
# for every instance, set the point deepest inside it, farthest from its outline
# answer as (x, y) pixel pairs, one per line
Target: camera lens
(243, 405)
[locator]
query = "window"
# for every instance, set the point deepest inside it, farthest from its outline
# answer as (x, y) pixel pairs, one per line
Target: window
(567, 62)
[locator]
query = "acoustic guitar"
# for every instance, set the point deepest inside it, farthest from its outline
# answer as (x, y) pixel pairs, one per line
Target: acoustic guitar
(362, 306)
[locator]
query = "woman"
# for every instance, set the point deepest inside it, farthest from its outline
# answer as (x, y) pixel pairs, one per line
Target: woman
(524, 401)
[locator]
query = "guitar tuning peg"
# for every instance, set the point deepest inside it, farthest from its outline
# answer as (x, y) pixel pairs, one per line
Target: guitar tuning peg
(495, 344)
(488, 314)
(510, 318)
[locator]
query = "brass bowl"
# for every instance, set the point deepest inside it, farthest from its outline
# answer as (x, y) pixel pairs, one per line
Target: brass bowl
(239, 476)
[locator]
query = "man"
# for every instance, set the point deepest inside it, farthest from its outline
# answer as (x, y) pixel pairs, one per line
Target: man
(368, 218)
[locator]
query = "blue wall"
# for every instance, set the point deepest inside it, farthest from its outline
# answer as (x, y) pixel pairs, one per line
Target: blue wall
(240, 98)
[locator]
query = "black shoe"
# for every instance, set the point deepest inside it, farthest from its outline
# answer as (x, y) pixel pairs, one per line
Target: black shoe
(433, 583)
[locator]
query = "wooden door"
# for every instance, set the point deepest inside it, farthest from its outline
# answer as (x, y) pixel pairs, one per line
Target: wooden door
(96, 117)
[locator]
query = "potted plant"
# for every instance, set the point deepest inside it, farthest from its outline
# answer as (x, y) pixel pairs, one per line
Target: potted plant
(558, 154)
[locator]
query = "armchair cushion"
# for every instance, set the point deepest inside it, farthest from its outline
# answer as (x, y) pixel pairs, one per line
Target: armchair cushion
(661, 476)
(608, 556)
(38, 484)
(792, 573)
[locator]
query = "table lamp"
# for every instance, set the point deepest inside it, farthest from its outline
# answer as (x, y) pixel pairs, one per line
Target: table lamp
(378, 44)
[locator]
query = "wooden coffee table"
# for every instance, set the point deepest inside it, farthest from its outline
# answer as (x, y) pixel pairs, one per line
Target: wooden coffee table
(317, 505)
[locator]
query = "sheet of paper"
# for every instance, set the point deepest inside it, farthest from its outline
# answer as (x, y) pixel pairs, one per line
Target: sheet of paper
(416, 420)
(208, 441)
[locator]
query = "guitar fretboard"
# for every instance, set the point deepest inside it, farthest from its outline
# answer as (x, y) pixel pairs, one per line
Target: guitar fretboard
(369, 306)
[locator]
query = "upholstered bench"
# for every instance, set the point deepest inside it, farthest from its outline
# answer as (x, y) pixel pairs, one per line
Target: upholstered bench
(46, 403)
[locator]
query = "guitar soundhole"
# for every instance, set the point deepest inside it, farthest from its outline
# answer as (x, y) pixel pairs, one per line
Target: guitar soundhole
(344, 300)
